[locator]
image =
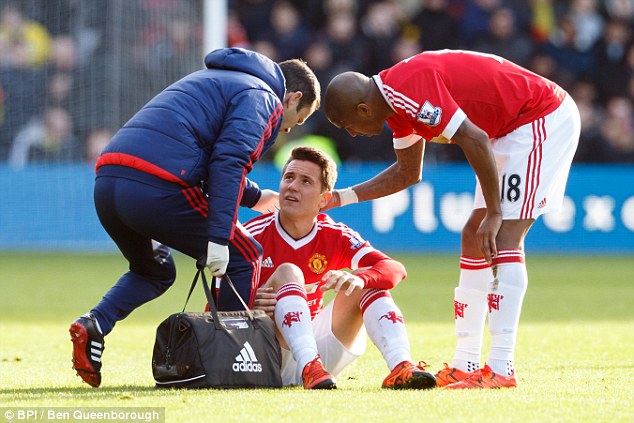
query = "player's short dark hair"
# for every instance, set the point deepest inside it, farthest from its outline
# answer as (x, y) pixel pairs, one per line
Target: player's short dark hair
(324, 161)
(299, 77)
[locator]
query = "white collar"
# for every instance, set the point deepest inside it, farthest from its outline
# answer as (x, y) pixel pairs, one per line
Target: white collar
(294, 243)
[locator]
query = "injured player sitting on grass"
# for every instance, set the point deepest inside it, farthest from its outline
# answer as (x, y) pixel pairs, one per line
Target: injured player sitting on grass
(304, 254)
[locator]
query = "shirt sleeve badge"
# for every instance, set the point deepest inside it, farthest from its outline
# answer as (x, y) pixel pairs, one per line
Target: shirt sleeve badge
(429, 114)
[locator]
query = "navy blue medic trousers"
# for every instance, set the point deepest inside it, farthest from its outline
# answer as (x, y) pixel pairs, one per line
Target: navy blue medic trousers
(144, 219)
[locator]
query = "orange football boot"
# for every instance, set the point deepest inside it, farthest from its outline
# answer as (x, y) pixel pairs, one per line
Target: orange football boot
(485, 378)
(407, 375)
(315, 376)
(449, 375)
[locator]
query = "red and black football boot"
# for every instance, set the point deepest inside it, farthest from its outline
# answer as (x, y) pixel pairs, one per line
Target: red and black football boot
(88, 346)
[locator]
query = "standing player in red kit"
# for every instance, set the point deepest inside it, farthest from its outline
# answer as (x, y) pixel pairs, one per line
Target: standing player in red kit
(304, 253)
(519, 132)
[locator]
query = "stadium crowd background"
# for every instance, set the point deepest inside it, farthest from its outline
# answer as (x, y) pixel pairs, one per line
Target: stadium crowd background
(72, 72)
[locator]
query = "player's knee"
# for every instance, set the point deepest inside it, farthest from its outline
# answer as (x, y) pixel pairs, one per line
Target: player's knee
(159, 269)
(163, 270)
(287, 273)
(468, 236)
(355, 296)
(289, 269)
(167, 274)
(470, 228)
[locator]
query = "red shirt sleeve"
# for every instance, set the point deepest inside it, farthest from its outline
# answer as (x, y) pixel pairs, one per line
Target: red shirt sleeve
(382, 271)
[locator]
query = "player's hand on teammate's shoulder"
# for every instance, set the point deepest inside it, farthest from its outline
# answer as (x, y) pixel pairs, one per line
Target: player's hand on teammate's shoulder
(268, 202)
(334, 201)
(338, 280)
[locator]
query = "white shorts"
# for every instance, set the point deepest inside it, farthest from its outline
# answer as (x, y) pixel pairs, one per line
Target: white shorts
(533, 163)
(333, 354)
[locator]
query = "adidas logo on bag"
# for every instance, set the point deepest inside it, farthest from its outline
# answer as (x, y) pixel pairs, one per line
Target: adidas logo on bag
(246, 361)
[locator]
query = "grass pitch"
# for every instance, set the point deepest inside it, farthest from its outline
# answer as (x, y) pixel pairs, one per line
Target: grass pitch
(574, 356)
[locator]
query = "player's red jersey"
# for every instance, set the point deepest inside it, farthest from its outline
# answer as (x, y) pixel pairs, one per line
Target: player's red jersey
(329, 246)
(433, 91)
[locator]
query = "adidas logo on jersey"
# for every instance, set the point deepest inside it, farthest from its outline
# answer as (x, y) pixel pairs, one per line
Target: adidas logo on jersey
(267, 262)
(246, 361)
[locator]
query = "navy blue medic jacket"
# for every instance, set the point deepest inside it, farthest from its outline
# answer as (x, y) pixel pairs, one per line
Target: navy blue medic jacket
(207, 129)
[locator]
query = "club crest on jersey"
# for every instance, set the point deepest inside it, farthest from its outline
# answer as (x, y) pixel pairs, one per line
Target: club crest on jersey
(429, 114)
(317, 263)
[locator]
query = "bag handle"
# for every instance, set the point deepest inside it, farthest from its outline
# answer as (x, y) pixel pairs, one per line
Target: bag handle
(191, 289)
(200, 265)
(210, 298)
(210, 292)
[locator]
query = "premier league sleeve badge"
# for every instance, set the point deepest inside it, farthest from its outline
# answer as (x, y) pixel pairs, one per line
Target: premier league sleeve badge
(429, 114)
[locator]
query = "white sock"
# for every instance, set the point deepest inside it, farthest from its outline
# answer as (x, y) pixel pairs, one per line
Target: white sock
(470, 312)
(292, 317)
(385, 326)
(504, 307)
